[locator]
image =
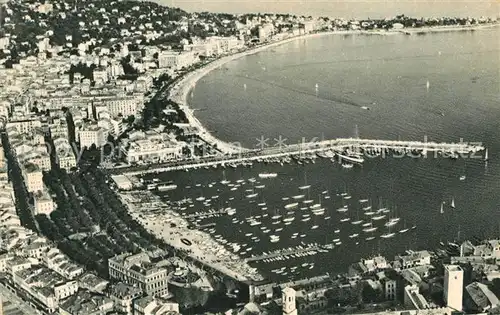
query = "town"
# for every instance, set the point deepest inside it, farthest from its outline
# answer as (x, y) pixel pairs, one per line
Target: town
(83, 80)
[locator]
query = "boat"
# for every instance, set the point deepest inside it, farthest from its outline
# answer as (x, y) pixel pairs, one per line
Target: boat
(291, 205)
(370, 228)
(486, 156)
(351, 159)
(363, 200)
(285, 198)
(354, 235)
(288, 219)
(343, 209)
(314, 227)
(345, 219)
(387, 235)
(252, 195)
(367, 208)
(347, 165)
(357, 222)
(391, 223)
(404, 229)
(442, 209)
(365, 107)
(370, 238)
(268, 175)
(224, 181)
(378, 217)
(462, 178)
(298, 197)
(452, 203)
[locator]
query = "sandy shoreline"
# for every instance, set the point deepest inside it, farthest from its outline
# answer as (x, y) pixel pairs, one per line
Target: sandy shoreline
(180, 91)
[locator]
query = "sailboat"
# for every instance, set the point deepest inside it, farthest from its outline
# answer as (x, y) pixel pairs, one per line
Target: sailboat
(442, 209)
(224, 180)
(453, 203)
(358, 221)
(370, 228)
(305, 186)
(253, 194)
(463, 177)
(389, 234)
(404, 229)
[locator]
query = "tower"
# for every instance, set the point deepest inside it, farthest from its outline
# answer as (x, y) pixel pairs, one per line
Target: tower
(453, 286)
(288, 298)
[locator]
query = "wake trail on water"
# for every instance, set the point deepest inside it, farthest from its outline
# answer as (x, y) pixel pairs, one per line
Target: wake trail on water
(389, 58)
(337, 100)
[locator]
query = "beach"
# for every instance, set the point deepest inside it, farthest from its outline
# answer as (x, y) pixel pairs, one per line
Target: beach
(180, 91)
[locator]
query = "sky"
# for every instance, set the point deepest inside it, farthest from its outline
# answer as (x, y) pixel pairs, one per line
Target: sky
(347, 8)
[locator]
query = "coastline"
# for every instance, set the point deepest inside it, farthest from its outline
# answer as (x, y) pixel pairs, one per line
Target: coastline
(179, 91)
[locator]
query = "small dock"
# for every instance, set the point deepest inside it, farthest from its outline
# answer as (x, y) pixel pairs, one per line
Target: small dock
(284, 253)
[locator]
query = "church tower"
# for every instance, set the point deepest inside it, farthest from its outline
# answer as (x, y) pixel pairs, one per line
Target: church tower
(288, 298)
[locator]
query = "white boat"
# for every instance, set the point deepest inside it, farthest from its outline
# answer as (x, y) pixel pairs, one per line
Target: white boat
(352, 159)
(268, 175)
(369, 213)
(308, 201)
(357, 222)
(336, 231)
(345, 219)
(348, 166)
(288, 219)
(370, 238)
(255, 222)
(167, 187)
(314, 227)
(285, 198)
(354, 235)
(367, 208)
(462, 178)
(365, 107)
(292, 205)
(305, 187)
(274, 240)
(453, 203)
(387, 235)
(378, 217)
(391, 223)
(298, 197)
(363, 200)
(305, 219)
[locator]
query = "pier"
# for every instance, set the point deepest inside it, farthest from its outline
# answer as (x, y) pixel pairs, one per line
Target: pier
(283, 253)
(337, 146)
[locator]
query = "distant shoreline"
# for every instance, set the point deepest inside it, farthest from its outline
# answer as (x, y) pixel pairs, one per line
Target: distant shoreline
(180, 91)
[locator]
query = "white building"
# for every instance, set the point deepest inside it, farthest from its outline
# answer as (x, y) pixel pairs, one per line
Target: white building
(152, 148)
(453, 286)
(288, 299)
(43, 204)
(92, 134)
(176, 60)
(266, 31)
(33, 177)
(153, 306)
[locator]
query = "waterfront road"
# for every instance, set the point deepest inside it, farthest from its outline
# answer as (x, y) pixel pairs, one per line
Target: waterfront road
(12, 304)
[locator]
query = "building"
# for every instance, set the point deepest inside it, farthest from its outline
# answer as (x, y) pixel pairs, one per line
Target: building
(92, 134)
(123, 295)
(176, 60)
(45, 286)
(33, 177)
(43, 203)
(453, 286)
(414, 259)
(152, 148)
(479, 298)
(86, 303)
(288, 299)
(413, 299)
(138, 270)
(266, 31)
(150, 305)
